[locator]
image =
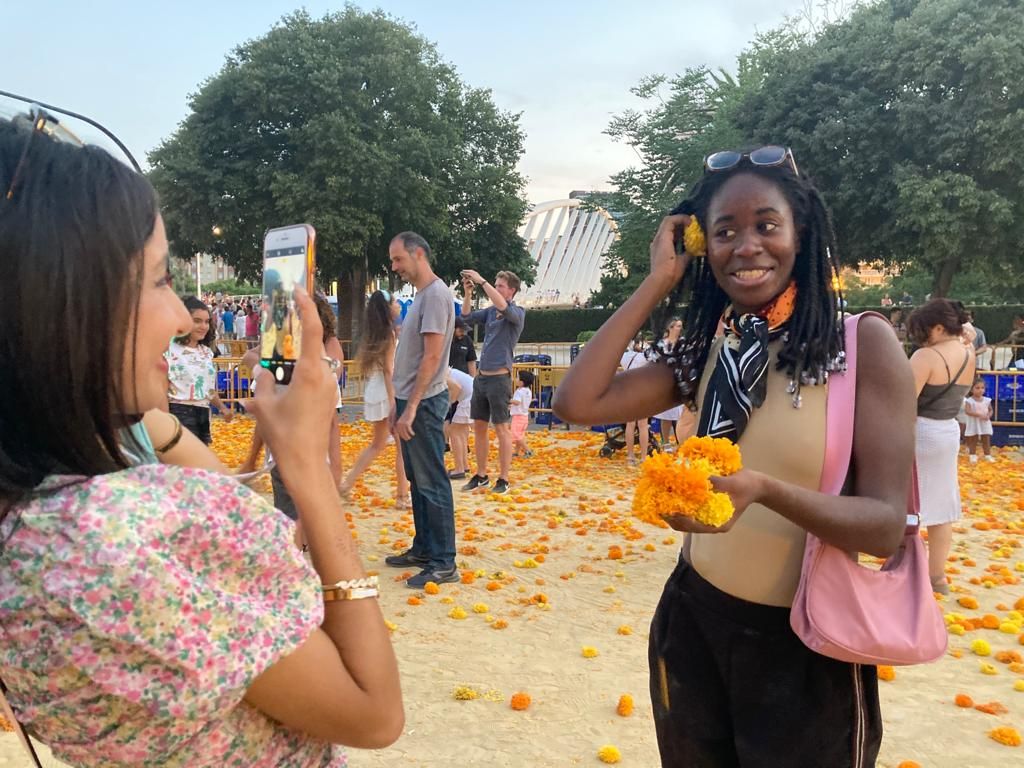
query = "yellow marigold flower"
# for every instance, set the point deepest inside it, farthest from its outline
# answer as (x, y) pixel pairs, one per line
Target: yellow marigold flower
(1009, 628)
(723, 455)
(431, 588)
(464, 693)
(480, 608)
(457, 613)
(693, 238)
(625, 629)
(609, 753)
(981, 648)
(1018, 685)
(589, 652)
(625, 707)
(1005, 735)
(956, 629)
(988, 669)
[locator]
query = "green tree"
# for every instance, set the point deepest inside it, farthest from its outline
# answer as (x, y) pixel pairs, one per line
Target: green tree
(909, 115)
(353, 123)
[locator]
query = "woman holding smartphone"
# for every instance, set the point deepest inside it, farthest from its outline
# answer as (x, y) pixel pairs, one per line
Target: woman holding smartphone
(166, 598)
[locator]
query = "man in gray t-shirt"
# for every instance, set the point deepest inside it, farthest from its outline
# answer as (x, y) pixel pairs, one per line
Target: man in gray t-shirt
(492, 391)
(421, 403)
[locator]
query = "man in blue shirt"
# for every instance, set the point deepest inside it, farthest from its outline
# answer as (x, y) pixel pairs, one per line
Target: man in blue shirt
(492, 390)
(229, 321)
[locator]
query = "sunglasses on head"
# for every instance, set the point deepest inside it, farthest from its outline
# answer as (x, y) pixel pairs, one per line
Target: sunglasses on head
(765, 157)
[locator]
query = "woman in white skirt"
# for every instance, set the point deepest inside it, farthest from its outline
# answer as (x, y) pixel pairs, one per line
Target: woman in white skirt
(682, 419)
(943, 373)
(377, 360)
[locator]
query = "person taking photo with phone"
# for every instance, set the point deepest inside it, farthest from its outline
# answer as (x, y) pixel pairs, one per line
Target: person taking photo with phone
(156, 614)
(492, 391)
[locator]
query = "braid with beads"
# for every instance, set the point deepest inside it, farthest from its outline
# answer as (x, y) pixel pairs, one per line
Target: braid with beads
(813, 345)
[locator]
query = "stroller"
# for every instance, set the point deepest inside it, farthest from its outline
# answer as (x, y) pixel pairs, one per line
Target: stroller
(615, 440)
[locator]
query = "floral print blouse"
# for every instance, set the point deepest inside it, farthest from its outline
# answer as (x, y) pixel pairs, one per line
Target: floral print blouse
(135, 610)
(191, 374)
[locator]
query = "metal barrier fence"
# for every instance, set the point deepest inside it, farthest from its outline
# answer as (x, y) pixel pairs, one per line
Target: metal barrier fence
(1006, 388)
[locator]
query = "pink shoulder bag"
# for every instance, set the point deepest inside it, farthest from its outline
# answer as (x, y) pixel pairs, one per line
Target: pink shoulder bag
(846, 611)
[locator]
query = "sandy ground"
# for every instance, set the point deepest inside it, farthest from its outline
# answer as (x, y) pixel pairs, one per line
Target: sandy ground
(567, 508)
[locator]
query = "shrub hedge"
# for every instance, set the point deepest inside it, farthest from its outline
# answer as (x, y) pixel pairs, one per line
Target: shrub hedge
(553, 325)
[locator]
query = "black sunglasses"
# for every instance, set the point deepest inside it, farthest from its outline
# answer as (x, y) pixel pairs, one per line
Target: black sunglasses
(766, 157)
(41, 120)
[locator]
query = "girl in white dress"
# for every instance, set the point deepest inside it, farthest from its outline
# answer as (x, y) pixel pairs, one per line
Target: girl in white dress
(978, 410)
(377, 359)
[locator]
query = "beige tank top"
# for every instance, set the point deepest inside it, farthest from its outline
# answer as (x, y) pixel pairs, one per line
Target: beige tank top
(759, 559)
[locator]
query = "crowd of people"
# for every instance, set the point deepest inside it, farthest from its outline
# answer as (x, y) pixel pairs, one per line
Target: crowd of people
(155, 610)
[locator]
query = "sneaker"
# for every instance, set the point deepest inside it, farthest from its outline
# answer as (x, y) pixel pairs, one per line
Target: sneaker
(501, 486)
(973, 459)
(453, 475)
(476, 481)
(406, 559)
(528, 454)
(436, 575)
(990, 458)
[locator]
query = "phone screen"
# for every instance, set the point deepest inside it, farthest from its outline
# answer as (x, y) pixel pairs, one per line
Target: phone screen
(287, 261)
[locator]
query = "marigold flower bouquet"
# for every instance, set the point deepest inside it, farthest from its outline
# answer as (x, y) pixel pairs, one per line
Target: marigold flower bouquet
(681, 484)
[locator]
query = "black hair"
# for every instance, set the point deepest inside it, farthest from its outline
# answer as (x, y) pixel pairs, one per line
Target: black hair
(378, 332)
(813, 343)
(192, 304)
(326, 314)
(526, 377)
(71, 241)
(936, 312)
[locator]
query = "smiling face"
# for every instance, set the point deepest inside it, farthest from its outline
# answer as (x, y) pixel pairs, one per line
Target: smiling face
(752, 241)
(160, 316)
(200, 326)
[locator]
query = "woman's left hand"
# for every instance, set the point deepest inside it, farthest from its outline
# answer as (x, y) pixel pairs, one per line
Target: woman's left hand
(744, 488)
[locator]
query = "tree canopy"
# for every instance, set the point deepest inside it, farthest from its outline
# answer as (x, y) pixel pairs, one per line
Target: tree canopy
(908, 114)
(354, 123)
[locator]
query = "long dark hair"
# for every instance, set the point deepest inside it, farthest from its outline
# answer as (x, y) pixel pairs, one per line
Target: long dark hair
(814, 340)
(192, 304)
(949, 314)
(71, 240)
(378, 331)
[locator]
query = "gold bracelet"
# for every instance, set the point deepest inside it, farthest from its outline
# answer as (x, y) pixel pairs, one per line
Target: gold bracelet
(174, 438)
(352, 589)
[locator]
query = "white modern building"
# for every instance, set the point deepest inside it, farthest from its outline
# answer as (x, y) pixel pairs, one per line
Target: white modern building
(568, 240)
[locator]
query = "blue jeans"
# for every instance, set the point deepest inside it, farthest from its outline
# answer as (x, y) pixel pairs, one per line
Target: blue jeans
(433, 509)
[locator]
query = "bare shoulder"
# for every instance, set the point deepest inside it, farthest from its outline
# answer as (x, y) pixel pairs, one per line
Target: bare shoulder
(881, 360)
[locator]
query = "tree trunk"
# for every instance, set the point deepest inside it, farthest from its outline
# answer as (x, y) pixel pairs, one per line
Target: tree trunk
(351, 303)
(944, 276)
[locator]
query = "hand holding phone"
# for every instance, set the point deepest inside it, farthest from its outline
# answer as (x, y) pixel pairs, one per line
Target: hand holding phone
(289, 262)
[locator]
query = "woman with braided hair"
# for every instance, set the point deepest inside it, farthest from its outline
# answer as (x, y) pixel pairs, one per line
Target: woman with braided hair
(731, 683)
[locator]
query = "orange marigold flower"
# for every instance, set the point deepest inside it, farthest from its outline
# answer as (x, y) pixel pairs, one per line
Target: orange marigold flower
(722, 454)
(520, 701)
(615, 552)
(992, 708)
(493, 586)
(1005, 735)
(963, 700)
(968, 602)
(625, 629)
(1008, 657)
(499, 624)
(414, 601)
(468, 577)
(886, 673)
(989, 621)
(909, 764)
(677, 485)
(625, 707)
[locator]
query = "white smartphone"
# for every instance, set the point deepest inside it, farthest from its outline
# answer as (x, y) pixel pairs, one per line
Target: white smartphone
(289, 261)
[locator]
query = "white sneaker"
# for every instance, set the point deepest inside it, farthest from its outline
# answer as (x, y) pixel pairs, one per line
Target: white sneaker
(990, 458)
(974, 459)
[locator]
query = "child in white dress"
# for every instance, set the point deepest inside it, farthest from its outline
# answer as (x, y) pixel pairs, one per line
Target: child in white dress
(978, 410)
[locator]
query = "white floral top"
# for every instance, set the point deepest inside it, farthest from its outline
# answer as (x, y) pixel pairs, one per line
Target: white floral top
(192, 376)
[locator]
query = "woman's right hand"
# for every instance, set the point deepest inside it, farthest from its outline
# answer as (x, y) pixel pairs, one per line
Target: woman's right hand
(293, 422)
(667, 266)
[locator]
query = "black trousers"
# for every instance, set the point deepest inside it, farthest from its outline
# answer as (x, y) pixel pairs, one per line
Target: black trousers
(732, 685)
(194, 418)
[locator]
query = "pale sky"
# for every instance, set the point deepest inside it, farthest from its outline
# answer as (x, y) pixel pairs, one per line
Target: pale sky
(567, 67)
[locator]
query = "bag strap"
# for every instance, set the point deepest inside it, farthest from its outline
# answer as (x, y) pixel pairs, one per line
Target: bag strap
(839, 423)
(952, 380)
(8, 712)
